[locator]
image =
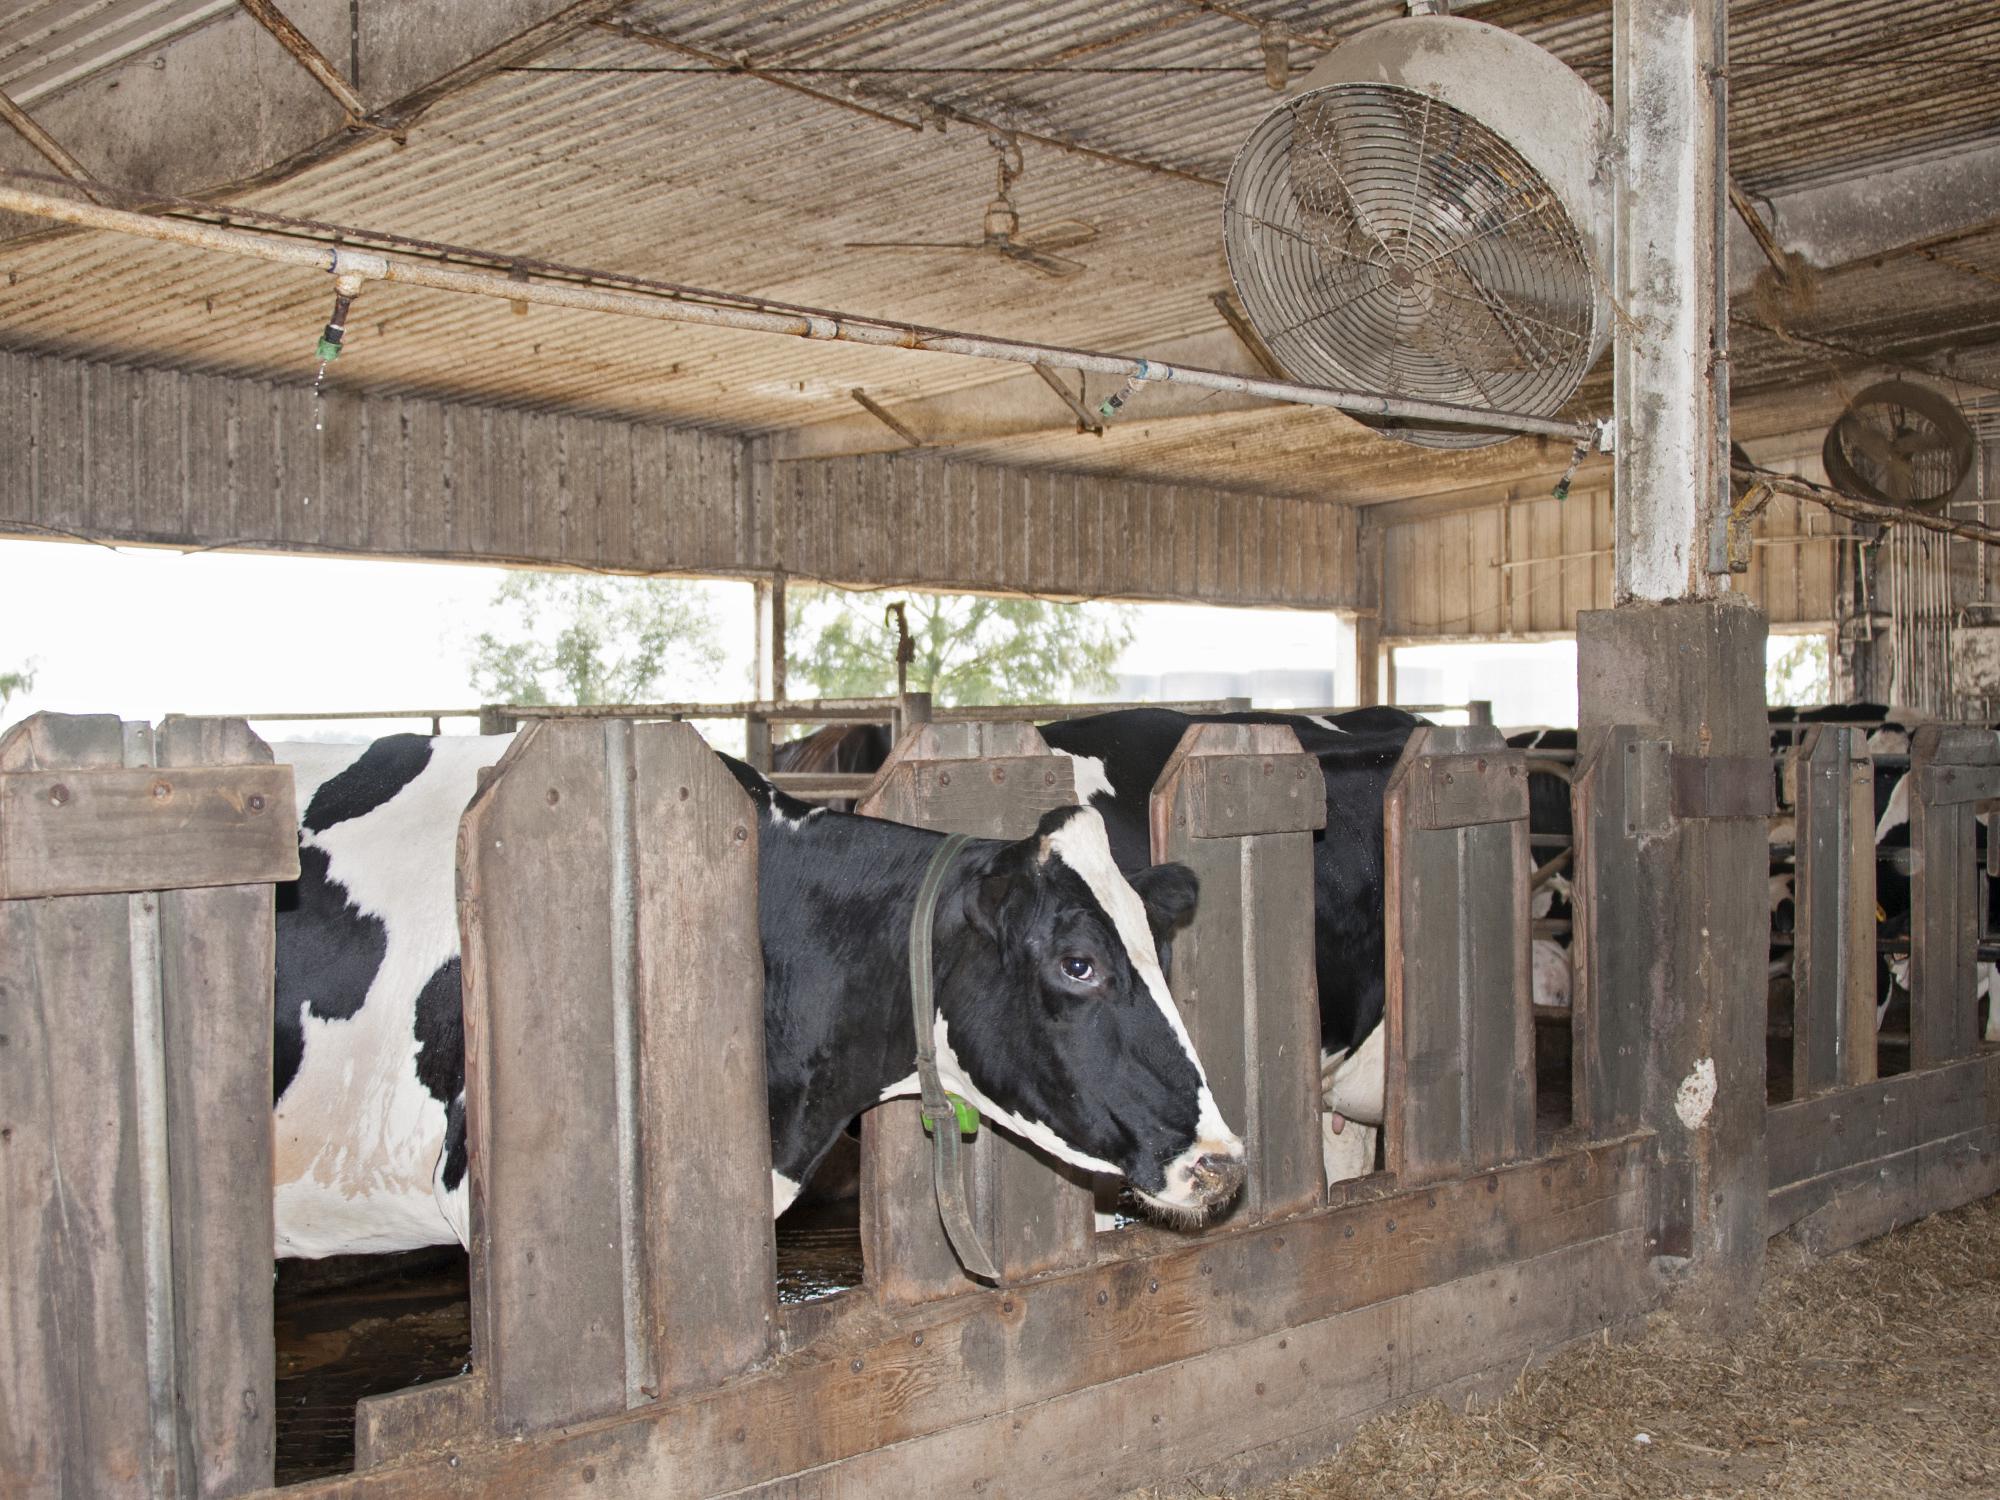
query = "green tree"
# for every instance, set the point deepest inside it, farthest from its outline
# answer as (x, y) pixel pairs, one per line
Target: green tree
(969, 648)
(14, 683)
(1799, 676)
(589, 638)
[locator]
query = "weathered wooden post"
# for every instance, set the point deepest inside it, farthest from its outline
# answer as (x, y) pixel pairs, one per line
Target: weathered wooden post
(1952, 770)
(1238, 804)
(1833, 897)
(1681, 654)
(620, 1171)
(136, 941)
(1459, 1030)
(993, 781)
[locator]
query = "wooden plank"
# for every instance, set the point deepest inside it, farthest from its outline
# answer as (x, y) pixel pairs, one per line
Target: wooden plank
(1833, 1010)
(1620, 942)
(1463, 791)
(1000, 1352)
(100, 830)
(1460, 1084)
(1238, 804)
(1945, 760)
(1324, 1379)
(73, 1304)
(611, 1032)
(217, 947)
(710, 1301)
(135, 1105)
(992, 780)
(1854, 1126)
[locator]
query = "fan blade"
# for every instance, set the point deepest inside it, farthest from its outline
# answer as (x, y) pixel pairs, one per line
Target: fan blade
(1063, 234)
(914, 245)
(1871, 442)
(1058, 266)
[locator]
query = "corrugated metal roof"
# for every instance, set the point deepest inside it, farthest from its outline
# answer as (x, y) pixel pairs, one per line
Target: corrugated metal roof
(616, 152)
(48, 44)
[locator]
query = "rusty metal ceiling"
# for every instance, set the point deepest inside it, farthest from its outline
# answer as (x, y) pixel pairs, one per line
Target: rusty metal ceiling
(744, 146)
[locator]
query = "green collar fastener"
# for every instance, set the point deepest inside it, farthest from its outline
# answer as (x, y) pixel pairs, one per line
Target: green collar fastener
(968, 1117)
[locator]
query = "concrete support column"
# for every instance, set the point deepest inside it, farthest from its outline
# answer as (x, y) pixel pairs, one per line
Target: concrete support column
(1670, 470)
(1684, 660)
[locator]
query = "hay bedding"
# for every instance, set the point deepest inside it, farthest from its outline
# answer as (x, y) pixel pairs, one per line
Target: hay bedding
(1873, 1372)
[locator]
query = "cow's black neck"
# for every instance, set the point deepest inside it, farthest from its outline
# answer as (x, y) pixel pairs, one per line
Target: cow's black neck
(834, 881)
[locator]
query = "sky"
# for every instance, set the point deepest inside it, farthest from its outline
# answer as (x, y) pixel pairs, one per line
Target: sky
(145, 632)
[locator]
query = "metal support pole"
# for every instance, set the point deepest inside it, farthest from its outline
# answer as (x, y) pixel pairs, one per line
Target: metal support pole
(777, 638)
(1670, 466)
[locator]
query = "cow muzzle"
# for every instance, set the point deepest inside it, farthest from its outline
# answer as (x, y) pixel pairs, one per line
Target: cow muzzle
(1201, 1181)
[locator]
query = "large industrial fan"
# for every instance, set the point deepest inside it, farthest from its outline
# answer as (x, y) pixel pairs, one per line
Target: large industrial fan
(1423, 220)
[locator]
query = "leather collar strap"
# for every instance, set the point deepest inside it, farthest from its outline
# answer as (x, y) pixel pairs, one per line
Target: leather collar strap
(947, 1149)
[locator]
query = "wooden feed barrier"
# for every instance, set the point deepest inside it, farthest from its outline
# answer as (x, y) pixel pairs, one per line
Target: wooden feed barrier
(136, 937)
(1853, 1155)
(626, 1340)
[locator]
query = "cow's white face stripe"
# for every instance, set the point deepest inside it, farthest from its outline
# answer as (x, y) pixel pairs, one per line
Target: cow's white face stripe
(1081, 843)
(1897, 813)
(1091, 782)
(1324, 723)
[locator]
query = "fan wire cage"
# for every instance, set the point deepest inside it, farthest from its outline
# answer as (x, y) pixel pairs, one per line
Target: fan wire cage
(1383, 240)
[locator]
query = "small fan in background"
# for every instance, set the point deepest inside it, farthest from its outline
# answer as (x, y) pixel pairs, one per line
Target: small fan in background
(1899, 443)
(1000, 232)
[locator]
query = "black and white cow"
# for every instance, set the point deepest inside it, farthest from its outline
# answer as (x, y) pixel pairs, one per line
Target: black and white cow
(1120, 756)
(1053, 1012)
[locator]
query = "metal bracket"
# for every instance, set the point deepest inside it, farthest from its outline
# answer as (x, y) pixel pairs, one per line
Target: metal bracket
(1723, 786)
(1647, 809)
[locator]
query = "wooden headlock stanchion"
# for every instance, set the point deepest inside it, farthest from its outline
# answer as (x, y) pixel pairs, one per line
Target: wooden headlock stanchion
(1833, 898)
(1952, 769)
(614, 1077)
(135, 1099)
(1461, 1072)
(994, 781)
(1622, 816)
(1238, 804)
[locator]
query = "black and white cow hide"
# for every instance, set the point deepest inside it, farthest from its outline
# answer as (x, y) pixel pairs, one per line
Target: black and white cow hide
(1053, 1012)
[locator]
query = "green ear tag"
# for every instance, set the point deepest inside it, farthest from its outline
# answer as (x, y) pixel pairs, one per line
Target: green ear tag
(968, 1117)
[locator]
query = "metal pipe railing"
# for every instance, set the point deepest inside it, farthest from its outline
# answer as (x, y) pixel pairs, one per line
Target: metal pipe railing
(353, 267)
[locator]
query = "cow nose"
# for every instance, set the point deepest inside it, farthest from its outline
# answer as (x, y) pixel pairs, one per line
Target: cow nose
(1217, 1177)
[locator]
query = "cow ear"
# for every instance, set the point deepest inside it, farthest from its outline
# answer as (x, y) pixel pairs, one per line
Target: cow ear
(987, 902)
(1170, 893)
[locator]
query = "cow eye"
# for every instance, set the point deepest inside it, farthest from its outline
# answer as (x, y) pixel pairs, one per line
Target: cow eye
(1082, 970)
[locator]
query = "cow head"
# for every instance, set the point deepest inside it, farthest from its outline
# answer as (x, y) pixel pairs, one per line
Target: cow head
(1054, 1017)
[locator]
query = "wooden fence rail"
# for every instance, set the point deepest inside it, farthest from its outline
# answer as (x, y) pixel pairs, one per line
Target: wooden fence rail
(135, 1104)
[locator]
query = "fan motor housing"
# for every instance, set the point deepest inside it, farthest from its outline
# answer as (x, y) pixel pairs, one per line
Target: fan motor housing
(1430, 217)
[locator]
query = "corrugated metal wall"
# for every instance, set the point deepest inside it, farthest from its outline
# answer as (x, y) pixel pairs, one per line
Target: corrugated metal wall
(100, 451)
(1527, 567)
